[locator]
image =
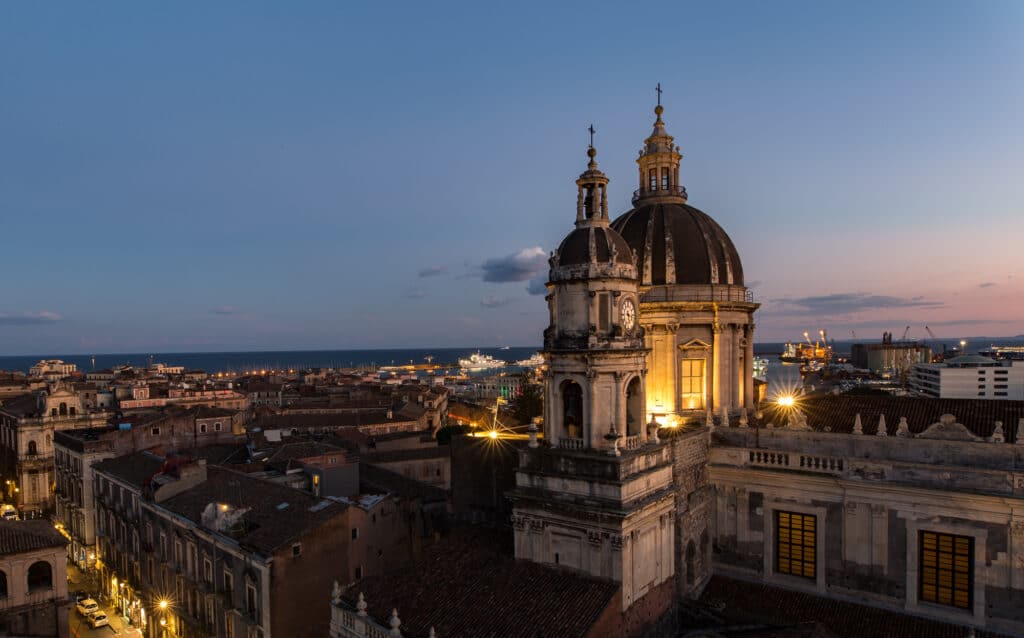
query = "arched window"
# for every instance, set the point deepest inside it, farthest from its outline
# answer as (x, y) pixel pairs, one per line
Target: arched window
(32, 450)
(572, 409)
(40, 576)
(63, 411)
(3, 584)
(634, 408)
(53, 411)
(71, 410)
(691, 554)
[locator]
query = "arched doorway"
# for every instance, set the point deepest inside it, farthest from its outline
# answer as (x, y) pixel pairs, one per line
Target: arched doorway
(572, 410)
(634, 407)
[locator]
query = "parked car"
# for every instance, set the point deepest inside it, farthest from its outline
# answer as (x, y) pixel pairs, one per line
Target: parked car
(98, 619)
(8, 512)
(87, 606)
(78, 595)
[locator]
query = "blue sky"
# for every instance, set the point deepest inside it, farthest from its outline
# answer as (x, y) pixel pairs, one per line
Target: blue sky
(244, 175)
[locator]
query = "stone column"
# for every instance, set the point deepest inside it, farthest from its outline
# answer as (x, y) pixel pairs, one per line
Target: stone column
(735, 380)
(748, 369)
(716, 366)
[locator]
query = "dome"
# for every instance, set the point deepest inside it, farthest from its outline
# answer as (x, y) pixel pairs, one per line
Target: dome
(678, 244)
(596, 243)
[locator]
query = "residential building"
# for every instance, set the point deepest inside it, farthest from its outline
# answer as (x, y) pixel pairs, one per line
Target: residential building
(233, 556)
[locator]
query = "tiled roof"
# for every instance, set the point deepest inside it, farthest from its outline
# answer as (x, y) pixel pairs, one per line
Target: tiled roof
(268, 524)
(837, 413)
(17, 537)
(134, 469)
(414, 454)
(763, 610)
(373, 478)
(469, 585)
(288, 420)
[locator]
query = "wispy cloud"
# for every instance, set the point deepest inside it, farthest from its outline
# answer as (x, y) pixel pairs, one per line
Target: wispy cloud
(29, 318)
(415, 293)
(842, 303)
(987, 284)
(494, 302)
(523, 265)
(226, 310)
(432, 271)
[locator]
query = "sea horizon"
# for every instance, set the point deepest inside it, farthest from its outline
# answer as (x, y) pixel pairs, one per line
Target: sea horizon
(252, 360)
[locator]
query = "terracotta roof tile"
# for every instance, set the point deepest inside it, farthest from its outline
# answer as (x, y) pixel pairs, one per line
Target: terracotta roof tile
(837, 413)
(17, 537)
(469, 585)
(766, 611)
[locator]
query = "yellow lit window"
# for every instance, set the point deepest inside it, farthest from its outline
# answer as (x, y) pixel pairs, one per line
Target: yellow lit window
(692, 384)
(947, 569)
(795, 544)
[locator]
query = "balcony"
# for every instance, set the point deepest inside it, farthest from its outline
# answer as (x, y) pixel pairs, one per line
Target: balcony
(722, 292)
(632, 442)
(665, 191)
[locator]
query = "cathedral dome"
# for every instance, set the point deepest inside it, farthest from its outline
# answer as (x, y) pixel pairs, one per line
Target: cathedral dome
(594, 244)
(678, 244)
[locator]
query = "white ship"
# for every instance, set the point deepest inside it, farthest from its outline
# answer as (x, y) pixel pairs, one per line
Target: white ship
(536, 360)
(761, 369)
(477, 361)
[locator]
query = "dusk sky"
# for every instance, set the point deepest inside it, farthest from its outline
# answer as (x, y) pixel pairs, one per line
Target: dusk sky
(257, 176)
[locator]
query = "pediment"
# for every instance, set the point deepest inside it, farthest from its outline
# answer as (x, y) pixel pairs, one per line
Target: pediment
(947, 429)
(695, 344)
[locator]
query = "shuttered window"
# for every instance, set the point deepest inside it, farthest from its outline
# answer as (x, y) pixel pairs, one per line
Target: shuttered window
(796, 544)
(946, 569)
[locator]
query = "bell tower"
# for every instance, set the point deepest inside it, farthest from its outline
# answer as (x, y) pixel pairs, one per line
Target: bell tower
(659, 165)
(595, 495)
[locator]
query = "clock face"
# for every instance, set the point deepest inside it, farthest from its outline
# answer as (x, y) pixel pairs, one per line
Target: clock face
(628, 315)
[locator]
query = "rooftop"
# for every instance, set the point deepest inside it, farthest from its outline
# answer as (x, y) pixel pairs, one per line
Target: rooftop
(836, 413)
(735, 607)
(135, 469)
(469, 585)
(17, 537)
(275, 515)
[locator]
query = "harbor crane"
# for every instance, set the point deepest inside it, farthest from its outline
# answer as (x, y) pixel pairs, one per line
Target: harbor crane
(905, 333)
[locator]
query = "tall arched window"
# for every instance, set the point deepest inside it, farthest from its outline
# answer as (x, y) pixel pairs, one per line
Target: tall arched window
(572, 409)
(63, 411)
(634, 408)
(71, 410)
(3, 584)
(40, 576)
(32, 449)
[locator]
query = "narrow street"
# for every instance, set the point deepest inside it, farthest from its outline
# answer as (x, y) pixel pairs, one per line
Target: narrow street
(79, 625)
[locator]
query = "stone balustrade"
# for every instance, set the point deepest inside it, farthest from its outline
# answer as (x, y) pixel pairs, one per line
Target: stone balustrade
(795, 461)
(632, 442)
(570, 444)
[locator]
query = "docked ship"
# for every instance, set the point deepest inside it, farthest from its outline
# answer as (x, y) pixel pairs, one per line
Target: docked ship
(761, 369)
(536, 360)
(477, 361)
(809, 352)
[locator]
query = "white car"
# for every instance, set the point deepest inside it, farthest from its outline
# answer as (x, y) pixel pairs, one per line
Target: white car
(87, 607)
(98, 619)
(8, 512)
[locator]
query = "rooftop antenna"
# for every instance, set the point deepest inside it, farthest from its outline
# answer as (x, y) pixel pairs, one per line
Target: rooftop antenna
(658, 89)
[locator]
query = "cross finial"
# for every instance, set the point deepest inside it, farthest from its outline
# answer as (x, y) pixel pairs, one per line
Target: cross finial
(658, 89)
(592, 131)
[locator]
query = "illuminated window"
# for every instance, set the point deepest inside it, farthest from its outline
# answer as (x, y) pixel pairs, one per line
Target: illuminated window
(795, 544)
(692, 384)
(664, 179)
(946, 570)
(652, 179)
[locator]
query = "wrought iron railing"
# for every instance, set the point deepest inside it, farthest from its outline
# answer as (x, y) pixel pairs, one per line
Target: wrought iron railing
(671, 189)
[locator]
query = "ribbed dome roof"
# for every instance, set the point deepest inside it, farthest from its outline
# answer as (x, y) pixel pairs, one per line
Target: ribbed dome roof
(701, 251)
(593, 244)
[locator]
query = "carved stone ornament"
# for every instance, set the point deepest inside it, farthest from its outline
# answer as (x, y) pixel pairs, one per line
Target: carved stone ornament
(518, 522)
(594, 537)
(1017, 528)
(618, 541)
(947, 429)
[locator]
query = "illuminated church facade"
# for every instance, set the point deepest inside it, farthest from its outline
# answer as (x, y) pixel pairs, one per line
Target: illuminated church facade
(658, 469)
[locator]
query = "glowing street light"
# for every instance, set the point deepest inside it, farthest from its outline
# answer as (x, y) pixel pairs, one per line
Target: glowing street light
(493, 434)
(786, 401)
